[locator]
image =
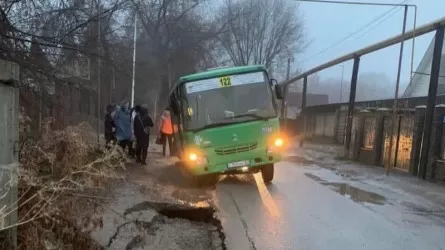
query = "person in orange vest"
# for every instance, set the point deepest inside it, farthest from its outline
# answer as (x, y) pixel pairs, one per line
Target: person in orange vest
(166, 131)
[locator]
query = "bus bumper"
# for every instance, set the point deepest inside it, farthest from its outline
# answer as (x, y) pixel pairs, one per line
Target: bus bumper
(232, 165)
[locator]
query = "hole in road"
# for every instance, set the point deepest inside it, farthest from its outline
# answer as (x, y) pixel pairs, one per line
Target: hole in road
(356, 194)
(201, 214)
(198, 212)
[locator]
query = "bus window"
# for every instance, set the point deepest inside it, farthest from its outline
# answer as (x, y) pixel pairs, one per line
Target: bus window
(240, 100)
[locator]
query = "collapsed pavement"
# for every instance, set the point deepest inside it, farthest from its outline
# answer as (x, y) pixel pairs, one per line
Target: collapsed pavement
(152, 225)
(155, 208)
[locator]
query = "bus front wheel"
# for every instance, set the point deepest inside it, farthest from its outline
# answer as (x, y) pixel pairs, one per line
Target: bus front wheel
(267, 171)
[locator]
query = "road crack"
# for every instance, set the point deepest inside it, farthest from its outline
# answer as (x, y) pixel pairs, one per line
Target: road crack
(204, 214)
(246, 229)
(135, 242)
(114, 236)
(148, 226)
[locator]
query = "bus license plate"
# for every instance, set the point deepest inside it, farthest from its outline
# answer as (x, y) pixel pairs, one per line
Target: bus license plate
(238, 164)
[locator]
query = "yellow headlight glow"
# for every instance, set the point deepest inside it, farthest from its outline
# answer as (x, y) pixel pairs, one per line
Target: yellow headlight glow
(278, 142)
(193, 157)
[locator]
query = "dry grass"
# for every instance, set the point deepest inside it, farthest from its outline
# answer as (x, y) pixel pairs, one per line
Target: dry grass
(61, 175)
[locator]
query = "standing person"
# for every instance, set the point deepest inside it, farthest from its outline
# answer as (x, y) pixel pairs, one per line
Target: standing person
(110, 127)
(166, 130)
(122, 120)
(142, 123)
(133, 138)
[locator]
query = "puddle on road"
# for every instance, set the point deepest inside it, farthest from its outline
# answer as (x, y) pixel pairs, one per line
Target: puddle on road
(314, 177)
(298, 159)
(356, 194)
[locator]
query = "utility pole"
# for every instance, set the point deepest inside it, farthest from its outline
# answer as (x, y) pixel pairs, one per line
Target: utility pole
(155, 112)
(396, 94)
(113, 85)
(134, 58)
(98, 74)
(285, 89)
(169, 75)
(288, 69)
(341, 83)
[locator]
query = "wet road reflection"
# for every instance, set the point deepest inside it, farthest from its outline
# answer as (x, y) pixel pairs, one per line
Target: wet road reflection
(267, 199)
(299, 210)
(356, 194)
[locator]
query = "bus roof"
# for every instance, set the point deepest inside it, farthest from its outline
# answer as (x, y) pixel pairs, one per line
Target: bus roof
(215, 72)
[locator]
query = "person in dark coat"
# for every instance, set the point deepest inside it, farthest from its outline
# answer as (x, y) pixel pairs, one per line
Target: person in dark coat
(110, 127)
(142, 123)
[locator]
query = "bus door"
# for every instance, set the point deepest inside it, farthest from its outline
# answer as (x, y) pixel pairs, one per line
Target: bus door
(177, 120)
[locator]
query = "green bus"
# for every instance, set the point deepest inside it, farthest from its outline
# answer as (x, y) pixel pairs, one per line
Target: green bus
(226, 122)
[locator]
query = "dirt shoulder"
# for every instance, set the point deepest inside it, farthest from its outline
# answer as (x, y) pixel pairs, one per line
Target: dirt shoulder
(156, 208)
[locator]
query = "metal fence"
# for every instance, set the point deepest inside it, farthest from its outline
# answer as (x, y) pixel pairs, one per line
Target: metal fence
(72, 101)
(350, 138)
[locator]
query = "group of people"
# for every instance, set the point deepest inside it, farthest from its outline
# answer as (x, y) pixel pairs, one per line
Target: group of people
(125, 125)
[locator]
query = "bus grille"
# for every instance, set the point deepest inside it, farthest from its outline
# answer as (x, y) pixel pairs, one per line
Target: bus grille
(236, 149)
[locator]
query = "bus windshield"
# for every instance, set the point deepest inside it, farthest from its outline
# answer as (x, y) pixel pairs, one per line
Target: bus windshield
(227, 99)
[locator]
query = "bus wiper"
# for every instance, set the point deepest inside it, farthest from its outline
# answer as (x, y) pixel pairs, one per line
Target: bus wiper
(212, 125)
(249, 115)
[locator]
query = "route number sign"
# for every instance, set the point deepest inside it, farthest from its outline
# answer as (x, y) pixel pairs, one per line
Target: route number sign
(225, 81)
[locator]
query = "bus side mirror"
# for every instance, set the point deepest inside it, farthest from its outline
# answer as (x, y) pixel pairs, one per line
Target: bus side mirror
(273, 82)
(279, 92)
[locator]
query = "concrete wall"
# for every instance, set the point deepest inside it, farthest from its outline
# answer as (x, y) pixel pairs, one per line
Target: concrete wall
(294, 99)
(9, 130)
(328, 123)
(9, 70)
(370, 134)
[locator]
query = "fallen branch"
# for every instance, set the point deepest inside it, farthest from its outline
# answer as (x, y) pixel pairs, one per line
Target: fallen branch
(58, 176)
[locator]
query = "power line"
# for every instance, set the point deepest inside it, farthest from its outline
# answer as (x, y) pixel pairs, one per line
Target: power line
(355, 32)
(378, 24)
(355, 3)
(349, 35)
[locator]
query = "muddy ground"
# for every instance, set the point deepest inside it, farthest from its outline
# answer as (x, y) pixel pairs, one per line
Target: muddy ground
(156, 208)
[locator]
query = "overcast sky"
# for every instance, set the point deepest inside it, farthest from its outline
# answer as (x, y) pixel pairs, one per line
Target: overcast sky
(328, 24)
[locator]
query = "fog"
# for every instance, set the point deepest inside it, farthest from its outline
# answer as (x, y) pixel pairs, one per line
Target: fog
(370, 86)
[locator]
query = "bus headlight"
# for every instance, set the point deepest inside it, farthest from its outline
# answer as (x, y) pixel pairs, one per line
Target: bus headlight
(278, 142)
(196, 158)
(193, 157)
(275, 144)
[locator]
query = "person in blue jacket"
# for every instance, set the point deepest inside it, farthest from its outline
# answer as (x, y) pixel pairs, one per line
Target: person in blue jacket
(122, 121)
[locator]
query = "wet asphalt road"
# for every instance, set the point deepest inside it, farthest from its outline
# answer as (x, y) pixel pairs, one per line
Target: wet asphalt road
(300, 211)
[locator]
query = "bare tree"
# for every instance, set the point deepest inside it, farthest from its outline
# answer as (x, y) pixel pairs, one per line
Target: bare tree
(175, 38)
(263, 31)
